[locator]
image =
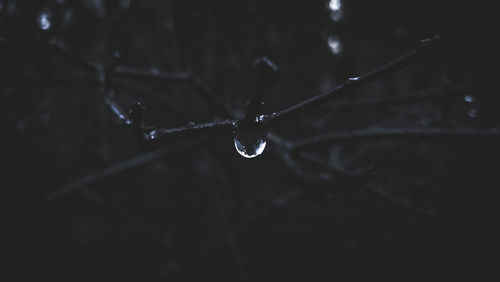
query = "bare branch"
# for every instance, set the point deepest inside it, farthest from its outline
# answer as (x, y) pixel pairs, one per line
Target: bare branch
(388, 197)
(338, 170)
(286, 156)
(351, 84)
(59, 50)
(138, 74)
(372, 134)
(212, 99)
(99, 175)
(418, 96)
(191, 128)
(384, 195)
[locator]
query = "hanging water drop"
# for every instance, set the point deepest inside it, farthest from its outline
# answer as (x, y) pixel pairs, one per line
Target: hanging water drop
(250, 138)
(249, 145)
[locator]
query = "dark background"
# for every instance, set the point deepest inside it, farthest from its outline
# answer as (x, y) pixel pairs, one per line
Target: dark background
(204, 212)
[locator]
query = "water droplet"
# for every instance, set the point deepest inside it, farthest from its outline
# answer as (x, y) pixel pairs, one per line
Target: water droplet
(44, 20)
(334, 44)
(469, 98)
(473, 113)
(250, 138)
(249, 146)
(353, 78)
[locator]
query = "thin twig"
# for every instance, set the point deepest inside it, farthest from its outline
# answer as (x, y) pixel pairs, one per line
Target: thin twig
(107, 172)
(71, 57)
(372, 134)
(337, 169)
(424, 95)
(384, 195)
(152, 75)
(418, 96)
(399, 202)
(287, 147)
(135, 116)
(212, 99)
(351, 84)
(230, 236)
(159, 134)
(49, 79)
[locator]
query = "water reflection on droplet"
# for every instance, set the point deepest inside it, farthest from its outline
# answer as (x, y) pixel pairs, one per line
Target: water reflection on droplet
(250, 137)
(469, 99)
(334, 44)
(473, 113)
(152, 135)
(249, 145)
(259, 118)
(44, 20)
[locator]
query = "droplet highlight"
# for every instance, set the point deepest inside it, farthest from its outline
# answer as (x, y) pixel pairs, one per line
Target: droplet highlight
(44, 20)
(249, 145)
(250, 138)
(152, 135)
